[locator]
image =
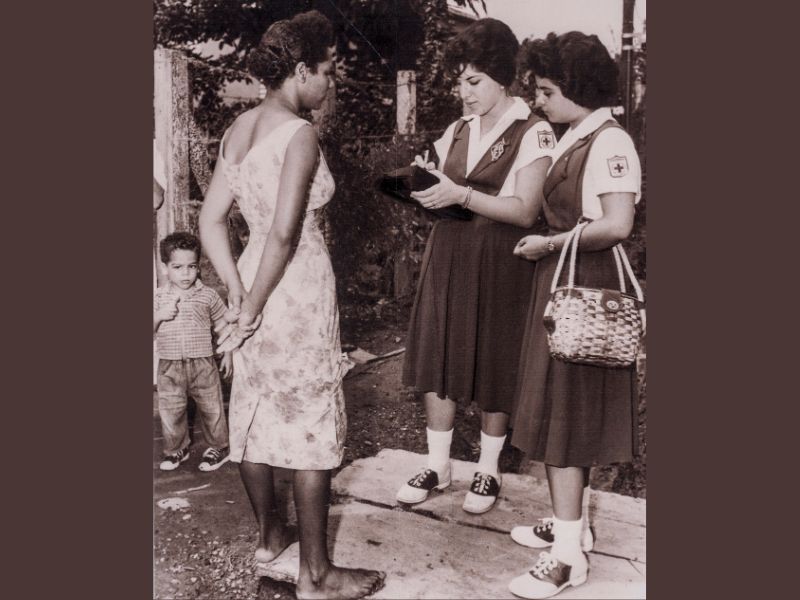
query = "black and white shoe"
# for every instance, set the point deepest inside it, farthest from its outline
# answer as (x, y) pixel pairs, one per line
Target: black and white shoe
(548, 577)
(417, 488)
(173, 461)
(214, 458)
(482, 493)
(541, 535)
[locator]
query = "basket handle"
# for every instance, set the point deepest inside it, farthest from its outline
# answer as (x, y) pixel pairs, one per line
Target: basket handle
(619, 250)
(620, 259)
(564, 249)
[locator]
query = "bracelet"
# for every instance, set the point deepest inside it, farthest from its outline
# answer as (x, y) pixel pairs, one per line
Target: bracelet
(467, 198)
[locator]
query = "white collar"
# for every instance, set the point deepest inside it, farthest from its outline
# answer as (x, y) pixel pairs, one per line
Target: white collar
(519, 109)
(478, 146)
(590, 124)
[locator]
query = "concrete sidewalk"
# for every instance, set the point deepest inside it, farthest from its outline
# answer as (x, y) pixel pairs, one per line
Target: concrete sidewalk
(436, 550)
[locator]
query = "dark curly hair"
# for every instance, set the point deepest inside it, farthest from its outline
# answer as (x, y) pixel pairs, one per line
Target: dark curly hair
(488, 45)
(579, 64)
(303, 38)
(179, 240)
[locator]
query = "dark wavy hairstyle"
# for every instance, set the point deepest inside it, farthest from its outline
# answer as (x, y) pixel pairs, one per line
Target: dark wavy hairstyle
(489, 46)
(179, 240)
(578, 64)
(303, 38)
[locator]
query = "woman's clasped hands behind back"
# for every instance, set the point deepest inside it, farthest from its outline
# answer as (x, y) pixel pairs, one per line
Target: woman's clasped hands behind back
(237, 324)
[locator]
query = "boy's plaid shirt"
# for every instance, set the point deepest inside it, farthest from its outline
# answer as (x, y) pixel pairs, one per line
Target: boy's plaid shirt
(188, 335)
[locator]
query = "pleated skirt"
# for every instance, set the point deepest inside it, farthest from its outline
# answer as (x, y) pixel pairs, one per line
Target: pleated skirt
(565, 414)
(466, 326)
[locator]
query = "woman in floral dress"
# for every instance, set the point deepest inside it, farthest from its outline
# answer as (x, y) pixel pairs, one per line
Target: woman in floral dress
(287, 405)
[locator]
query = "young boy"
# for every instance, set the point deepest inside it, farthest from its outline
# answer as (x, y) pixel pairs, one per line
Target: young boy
(184, 312)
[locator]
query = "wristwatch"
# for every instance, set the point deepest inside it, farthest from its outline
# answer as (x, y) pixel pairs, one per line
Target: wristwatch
(551, 247)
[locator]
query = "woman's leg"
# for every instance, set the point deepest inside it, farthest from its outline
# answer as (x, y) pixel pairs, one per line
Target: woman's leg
(440, 414)
(565, 564)
(483, 492)
(494, 426)
(318, 577)
(566, 493)
(540, 535)
(259, 483)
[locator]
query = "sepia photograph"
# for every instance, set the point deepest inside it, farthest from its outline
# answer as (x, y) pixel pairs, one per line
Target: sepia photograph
(399, 280)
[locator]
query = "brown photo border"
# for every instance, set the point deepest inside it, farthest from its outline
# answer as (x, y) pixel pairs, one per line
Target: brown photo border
(78, 476)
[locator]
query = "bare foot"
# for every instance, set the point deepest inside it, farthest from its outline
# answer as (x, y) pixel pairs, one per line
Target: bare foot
(277, 541)
(340, 584)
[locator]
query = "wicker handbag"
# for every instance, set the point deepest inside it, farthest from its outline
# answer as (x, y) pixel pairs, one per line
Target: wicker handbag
(594, 326)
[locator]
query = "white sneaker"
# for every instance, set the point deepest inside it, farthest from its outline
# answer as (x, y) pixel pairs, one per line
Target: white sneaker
(548, 577)
(417, 488)
(173, 461)
(541, 535)
(214, 458)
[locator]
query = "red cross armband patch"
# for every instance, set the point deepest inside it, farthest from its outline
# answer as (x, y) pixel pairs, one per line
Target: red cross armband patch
(618, 166)
(546, 140)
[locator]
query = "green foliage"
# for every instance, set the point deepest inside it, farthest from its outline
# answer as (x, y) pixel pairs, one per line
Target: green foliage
(437, 104)
(370, 232)
(368, 34)
(367, 233)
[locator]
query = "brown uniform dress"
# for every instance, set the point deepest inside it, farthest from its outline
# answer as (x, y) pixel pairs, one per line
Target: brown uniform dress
(571, 415)
(466, 325)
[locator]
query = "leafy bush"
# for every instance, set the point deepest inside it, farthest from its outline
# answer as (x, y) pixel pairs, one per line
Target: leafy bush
(369, 233)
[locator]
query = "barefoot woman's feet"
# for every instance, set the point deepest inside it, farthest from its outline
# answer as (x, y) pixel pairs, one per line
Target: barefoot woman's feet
(338, 583)
(276, 543)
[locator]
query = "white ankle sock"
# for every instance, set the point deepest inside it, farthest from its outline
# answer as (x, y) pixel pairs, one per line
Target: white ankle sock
(491, 447)
(567, 544)
(439, 449)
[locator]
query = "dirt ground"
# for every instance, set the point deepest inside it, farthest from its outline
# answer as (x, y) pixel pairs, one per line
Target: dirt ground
(207, 555)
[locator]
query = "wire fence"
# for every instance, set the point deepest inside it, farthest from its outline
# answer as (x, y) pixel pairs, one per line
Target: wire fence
(363, 85)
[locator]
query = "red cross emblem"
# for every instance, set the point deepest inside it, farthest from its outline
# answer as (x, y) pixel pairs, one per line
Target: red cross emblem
(618, 166)
(546, 139)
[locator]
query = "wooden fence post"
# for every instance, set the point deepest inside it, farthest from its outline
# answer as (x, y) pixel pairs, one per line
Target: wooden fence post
(406, 102)
(403, 275)
(172, 113)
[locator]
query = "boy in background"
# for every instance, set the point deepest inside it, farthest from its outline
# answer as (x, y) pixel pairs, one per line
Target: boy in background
(185, 311)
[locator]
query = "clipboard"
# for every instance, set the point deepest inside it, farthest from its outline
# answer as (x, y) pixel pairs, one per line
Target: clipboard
(399, 184)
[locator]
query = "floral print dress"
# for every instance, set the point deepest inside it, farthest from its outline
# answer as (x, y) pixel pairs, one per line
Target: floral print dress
(287, 405)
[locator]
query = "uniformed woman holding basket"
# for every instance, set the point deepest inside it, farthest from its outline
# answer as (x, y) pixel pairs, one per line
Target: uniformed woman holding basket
(570, 415)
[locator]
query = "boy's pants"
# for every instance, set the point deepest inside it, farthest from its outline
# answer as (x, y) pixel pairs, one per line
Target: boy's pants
(199, 378)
